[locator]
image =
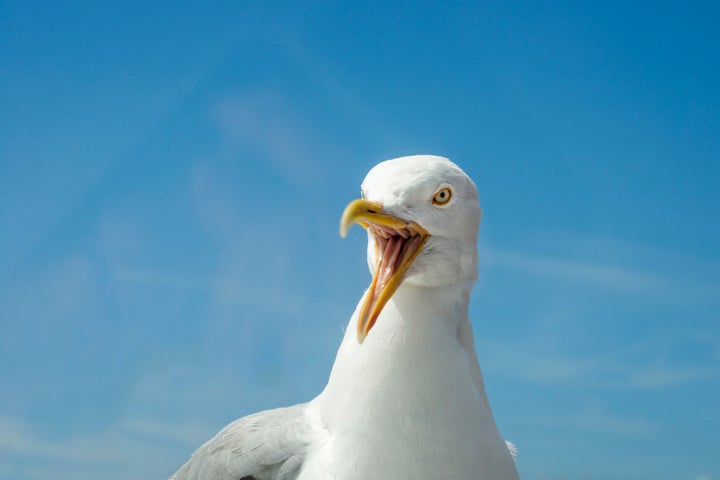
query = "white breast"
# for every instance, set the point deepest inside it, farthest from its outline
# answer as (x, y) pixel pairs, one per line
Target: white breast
(406, 404)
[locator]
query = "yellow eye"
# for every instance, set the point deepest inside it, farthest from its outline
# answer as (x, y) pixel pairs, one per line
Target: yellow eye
(442, 196)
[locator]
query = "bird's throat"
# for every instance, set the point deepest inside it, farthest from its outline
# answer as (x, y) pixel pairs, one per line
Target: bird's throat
(395, 254)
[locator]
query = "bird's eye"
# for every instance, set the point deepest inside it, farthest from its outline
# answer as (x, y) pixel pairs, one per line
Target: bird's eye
(442, 196)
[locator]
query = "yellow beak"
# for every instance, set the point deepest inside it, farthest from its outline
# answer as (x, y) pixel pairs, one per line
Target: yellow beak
(397, 244)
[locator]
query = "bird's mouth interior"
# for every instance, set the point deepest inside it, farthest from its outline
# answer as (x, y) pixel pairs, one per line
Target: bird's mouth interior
(396, 249)
(393, 247)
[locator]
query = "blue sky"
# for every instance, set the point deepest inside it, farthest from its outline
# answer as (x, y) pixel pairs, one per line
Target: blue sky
(171, 181)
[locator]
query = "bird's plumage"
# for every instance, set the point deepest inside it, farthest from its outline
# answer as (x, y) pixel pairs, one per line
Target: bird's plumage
(269, 445)
(407, 401)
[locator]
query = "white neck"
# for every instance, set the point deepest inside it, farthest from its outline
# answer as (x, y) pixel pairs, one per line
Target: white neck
(415, 327)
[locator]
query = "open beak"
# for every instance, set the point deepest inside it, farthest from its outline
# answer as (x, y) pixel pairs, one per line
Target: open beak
(397, 243)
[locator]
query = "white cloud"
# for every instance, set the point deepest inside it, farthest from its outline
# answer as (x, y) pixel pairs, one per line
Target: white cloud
(607, 276)
(593, 419)
(545, 352)
(665, 376)
(268, 124)
(162, 279)
(537, 360)
(612, 265)
(132, 448)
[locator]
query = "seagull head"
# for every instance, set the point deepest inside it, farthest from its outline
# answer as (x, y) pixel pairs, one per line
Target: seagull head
(422, 214)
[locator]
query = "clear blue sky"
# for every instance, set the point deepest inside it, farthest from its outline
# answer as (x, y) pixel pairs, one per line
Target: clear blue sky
(171, 181)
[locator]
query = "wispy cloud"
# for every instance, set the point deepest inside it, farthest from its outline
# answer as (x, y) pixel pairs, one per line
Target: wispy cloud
(612, 265)
(549, 350)
(269, 125)
(609, 370)
(613, 277)
(263, 253)
(594, 419)
(162, 279)
(132, 448)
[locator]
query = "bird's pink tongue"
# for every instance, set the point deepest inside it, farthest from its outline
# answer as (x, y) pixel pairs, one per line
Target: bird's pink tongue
(389, 249)
(395, 254)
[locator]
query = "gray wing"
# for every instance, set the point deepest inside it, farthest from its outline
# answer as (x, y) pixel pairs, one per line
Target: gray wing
(269, 445)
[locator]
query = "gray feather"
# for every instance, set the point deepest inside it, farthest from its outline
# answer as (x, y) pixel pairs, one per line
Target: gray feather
(269, 445)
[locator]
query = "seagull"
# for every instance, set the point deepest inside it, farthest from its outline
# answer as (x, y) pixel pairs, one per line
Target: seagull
(405, 399)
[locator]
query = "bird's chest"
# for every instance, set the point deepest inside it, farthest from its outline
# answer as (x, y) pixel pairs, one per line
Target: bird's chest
(417, 415)
(416, 443)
